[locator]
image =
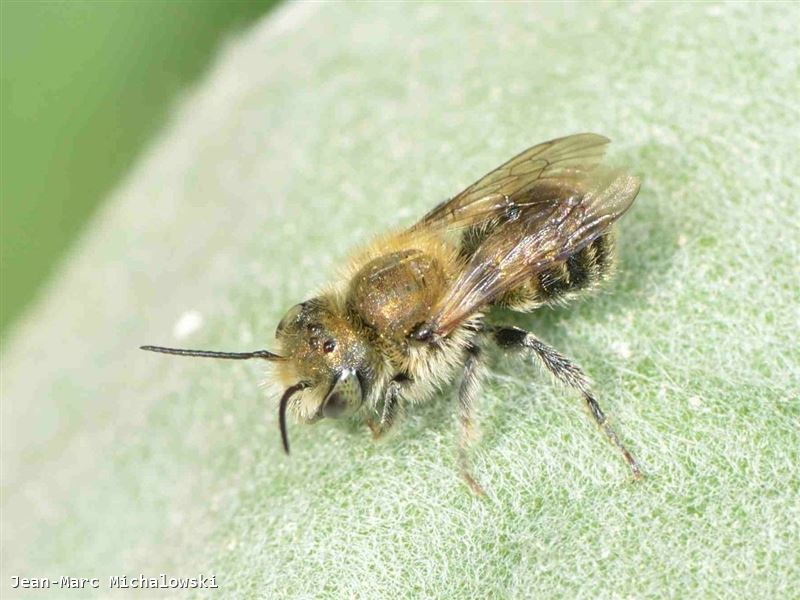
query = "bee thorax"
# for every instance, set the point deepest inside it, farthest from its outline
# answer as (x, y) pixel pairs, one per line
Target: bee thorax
(394, 293)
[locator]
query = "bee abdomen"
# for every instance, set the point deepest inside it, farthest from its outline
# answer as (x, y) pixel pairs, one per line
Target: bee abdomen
(582, 271)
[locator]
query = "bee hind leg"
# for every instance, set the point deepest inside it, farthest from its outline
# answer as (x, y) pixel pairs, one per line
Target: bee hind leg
(474, 372)
(568, 373)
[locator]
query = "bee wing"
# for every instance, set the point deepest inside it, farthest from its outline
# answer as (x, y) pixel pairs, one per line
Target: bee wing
(570, 216)
(511, 187)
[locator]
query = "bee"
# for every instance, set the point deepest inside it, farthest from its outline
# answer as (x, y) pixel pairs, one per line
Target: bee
(409, 314)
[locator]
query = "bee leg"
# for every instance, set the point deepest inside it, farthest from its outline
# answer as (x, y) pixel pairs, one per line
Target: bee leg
(474, 371)
(568, 373)
(391, 403)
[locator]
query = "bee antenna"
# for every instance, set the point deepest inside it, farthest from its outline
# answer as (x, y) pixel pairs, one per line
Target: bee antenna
(287, 395)
(265, 354)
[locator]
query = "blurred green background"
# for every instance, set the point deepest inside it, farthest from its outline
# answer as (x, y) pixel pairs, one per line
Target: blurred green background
(84, 86)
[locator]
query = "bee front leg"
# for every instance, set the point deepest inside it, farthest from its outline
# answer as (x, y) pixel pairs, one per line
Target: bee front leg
(391, 403)
(474, 372)
(567, 372)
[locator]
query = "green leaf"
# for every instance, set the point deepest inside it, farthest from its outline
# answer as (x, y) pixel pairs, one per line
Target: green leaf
(328, 123)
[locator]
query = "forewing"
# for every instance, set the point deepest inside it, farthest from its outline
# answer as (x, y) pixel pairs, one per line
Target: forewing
(516, 250)
(509, 189)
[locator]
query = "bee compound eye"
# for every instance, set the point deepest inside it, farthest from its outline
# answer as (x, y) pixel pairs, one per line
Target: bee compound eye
(345, 396)
(335, 406)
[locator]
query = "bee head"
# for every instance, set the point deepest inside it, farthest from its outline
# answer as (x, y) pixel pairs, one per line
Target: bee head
(325, 352)
(322, 355)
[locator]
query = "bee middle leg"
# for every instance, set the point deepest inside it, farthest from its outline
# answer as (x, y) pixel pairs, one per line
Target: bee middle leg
(474, 372)
(568, 373)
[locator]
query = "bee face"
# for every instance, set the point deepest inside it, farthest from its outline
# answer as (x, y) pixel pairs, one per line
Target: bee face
(323, 350)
